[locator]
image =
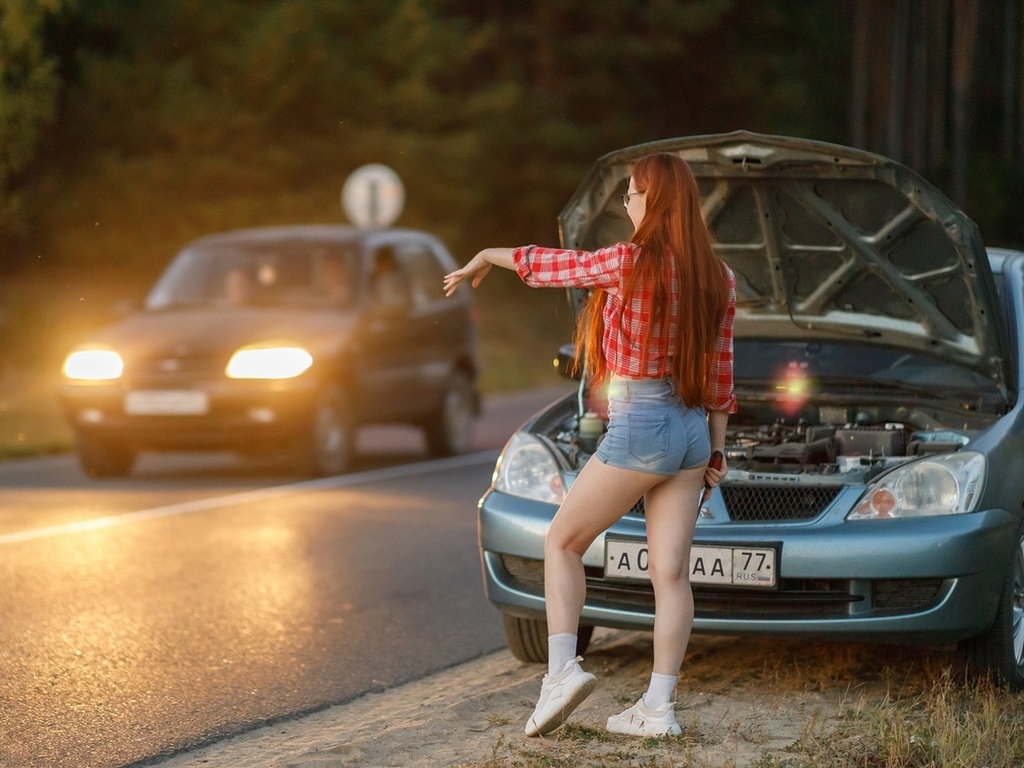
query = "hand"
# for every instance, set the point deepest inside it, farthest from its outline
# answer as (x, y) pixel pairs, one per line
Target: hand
(716, 470)
(477, 269)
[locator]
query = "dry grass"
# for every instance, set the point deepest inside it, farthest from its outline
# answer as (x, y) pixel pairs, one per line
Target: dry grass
(954, 723)
(779, 703)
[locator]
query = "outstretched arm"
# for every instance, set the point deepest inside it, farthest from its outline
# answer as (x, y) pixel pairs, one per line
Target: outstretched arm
(478, 267)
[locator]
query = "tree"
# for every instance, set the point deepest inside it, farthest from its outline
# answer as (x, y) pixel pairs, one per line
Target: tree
(1011, 36)
(898, 82)
(28, 92)
(491, 111)
(861, 55)
(965, 29)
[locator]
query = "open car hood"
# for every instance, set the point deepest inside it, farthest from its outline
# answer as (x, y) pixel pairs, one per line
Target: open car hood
(826, 242)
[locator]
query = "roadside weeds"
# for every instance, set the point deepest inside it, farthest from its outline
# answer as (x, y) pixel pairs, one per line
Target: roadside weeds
(798, 704)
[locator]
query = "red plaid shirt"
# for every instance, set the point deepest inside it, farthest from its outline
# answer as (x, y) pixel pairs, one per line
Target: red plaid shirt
(606, 269)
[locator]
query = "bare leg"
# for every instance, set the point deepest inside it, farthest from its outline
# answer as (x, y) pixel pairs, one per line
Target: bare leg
(599, 496)
(671, 511)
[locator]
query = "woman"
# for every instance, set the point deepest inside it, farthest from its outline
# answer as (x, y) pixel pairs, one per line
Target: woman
(659, 329)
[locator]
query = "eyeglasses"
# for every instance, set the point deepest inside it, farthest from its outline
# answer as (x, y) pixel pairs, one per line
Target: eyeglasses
(625, 198)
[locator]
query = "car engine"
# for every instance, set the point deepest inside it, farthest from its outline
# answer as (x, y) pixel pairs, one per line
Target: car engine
(853, 450)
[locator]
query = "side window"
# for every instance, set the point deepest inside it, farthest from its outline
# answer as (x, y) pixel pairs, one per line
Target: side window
(389, 283)
(424, 270)
(337, 278)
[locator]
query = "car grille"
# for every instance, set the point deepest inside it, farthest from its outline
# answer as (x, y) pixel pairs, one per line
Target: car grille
(748, 503)
(770, 503)
(904, 595)
(170, 366)
(795, 598)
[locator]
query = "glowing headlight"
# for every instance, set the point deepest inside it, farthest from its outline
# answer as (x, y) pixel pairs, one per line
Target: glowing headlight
(941, 485)
(526, 468)
(93, 365)
(268, 363)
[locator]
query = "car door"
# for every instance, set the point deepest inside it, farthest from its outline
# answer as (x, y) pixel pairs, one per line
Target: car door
(437, 328)
(382, 366)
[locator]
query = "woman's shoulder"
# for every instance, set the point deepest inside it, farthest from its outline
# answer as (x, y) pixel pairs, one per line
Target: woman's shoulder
(625, 250)
(623, 246)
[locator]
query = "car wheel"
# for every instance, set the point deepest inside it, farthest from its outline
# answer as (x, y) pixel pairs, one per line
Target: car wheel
(527, 639)
(104, 458)
(450, 432)
(1000, 651)
(328, 444)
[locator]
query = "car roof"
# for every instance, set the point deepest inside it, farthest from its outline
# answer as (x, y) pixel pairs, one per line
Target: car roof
(320, 232)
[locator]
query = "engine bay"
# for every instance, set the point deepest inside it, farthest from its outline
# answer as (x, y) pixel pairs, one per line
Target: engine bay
(849, 441)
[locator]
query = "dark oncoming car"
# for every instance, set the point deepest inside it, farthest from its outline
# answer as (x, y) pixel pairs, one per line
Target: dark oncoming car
(876, 464)
(281, 340)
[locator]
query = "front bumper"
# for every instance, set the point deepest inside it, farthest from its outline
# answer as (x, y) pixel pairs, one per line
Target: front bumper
(238, 415)
(929, 579)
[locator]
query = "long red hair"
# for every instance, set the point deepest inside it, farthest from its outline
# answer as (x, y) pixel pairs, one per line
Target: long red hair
(673, 228)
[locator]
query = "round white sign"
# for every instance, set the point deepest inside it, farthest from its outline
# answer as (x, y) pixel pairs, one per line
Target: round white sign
(373, 196)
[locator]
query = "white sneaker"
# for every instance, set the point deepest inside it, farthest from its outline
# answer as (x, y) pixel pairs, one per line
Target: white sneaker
(641, 720)
(559, 696)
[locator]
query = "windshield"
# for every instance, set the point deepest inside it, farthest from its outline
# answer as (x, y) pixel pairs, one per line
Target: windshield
(831, 382)
(264, 272)
(824, 366)
(824, 361)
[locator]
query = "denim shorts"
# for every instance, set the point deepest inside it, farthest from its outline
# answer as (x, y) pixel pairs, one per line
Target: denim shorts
(650, 429)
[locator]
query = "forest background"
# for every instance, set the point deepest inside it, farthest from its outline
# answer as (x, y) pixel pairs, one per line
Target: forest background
(128, 128)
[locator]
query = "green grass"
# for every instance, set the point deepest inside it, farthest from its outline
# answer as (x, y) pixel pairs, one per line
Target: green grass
(521, 329)
(30, 420)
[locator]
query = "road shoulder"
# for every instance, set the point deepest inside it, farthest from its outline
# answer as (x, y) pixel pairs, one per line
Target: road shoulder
(473, 715)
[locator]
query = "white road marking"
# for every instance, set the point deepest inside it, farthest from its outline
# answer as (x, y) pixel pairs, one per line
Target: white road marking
(262, 494)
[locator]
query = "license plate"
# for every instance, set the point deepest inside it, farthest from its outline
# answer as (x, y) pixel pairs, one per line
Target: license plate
(735, 566)
(166, 403)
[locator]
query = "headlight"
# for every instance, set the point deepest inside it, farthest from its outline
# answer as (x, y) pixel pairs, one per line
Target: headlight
(268, 363)
(526, 468)
(93, 365)
(942, 485)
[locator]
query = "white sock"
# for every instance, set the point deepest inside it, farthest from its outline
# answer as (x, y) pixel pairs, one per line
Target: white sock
(661, 690)
(561, 648)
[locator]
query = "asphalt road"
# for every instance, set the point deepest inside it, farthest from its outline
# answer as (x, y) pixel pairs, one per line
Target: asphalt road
(203, 597)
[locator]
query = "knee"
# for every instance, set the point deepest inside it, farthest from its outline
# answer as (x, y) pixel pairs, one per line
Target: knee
(556, 543)
(668, 574)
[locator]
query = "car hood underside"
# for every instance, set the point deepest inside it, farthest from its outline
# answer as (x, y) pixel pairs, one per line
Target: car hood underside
(826, 242)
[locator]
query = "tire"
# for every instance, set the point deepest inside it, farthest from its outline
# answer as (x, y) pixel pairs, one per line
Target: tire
(328, 443)
(527, 639)
(1000, 651)
(450, 432)
(104, 458)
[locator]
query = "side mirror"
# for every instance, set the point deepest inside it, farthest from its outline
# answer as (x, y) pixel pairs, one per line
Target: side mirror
(565, 362)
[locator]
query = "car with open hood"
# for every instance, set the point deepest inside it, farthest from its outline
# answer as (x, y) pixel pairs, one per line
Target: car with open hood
(281, 341)
(876, 462)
